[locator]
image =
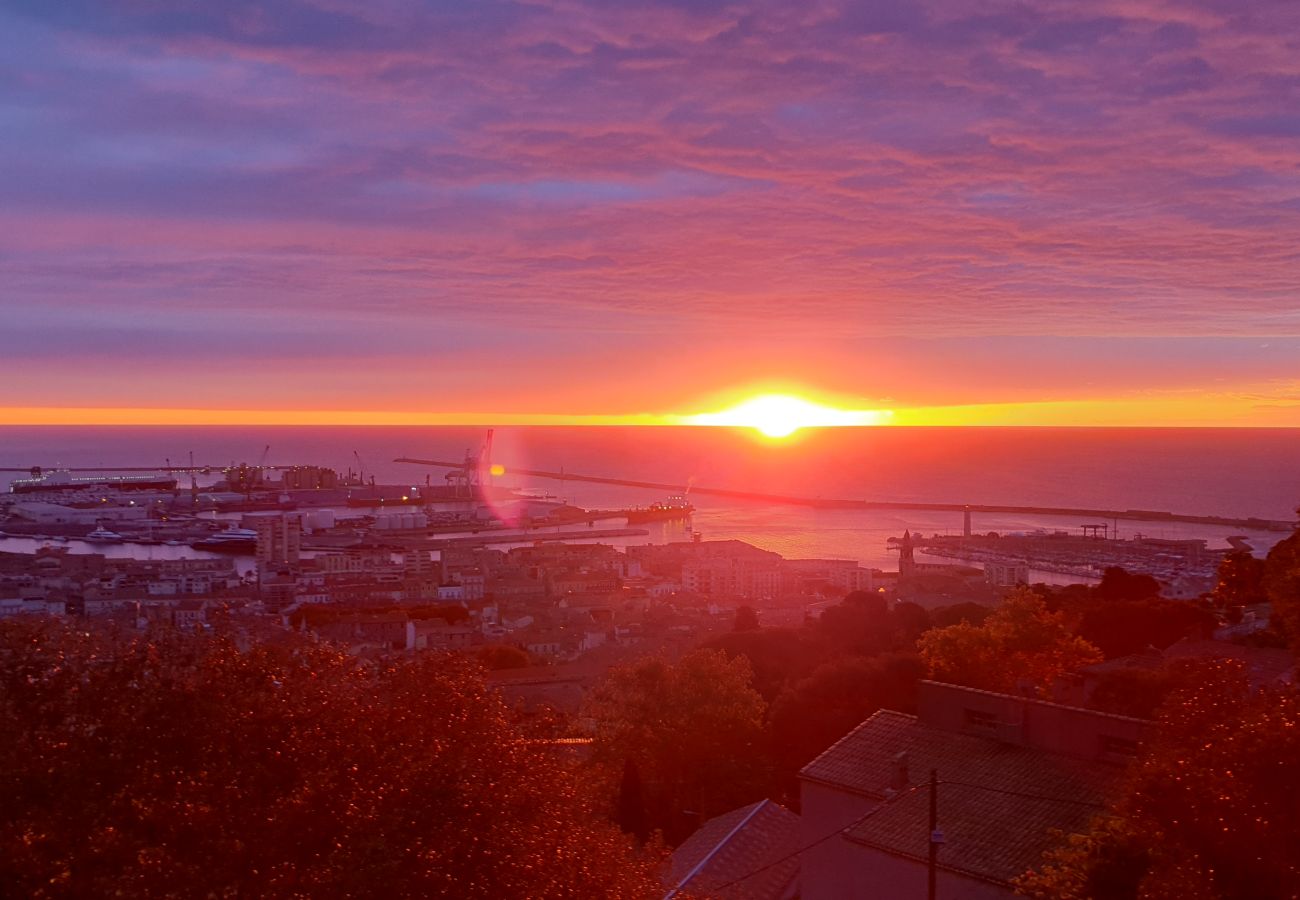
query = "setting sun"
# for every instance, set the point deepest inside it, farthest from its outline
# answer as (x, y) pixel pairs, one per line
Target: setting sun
(780, 415)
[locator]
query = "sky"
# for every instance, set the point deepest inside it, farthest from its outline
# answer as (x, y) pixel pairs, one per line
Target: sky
(565, 211)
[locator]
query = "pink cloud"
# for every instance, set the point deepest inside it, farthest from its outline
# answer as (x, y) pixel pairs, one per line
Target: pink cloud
(765, 175)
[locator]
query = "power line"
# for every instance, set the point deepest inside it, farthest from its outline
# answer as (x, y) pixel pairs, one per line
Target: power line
(821, 840)
(985, 787)
(887, 804)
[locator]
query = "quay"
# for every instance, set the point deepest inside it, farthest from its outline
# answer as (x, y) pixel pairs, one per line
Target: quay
(525, 537)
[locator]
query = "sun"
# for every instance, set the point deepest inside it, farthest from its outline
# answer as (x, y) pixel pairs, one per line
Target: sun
(781, 415)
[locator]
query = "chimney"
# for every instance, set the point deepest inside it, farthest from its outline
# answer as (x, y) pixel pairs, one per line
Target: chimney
(901, 780)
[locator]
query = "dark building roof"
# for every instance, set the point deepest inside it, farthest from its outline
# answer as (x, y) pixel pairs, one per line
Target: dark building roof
(993, 831)
(734, 847)
(989, 836)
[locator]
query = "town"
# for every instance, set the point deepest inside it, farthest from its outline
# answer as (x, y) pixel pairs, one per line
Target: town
(467, 564)
(393, 574)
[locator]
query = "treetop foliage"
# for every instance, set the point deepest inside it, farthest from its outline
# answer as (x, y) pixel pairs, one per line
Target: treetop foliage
(1281, 584)
(1212, 809)
(1020, 646)
(693, 729)
(180, 765)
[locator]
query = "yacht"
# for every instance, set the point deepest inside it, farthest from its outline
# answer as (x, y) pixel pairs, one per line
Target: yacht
(232, 540)
(102, 535)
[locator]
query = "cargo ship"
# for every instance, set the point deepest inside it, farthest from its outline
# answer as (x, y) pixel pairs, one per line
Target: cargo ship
(661, 511)
(63, 480)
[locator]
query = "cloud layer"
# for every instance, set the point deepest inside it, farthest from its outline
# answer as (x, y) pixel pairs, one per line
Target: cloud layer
(572, 206)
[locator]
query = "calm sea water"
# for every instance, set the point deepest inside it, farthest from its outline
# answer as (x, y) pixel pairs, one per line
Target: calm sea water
(1237, 472)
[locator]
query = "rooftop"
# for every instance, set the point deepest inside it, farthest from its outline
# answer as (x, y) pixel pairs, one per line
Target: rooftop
(735, 846)
(998, 802)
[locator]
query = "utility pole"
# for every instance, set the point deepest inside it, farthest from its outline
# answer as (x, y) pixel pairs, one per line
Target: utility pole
(935, 836)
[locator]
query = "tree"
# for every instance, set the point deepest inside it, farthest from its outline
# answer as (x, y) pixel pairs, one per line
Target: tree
(863, 623)
(1212, 809)
(694, 730)
(1281, 585)
(1142, 692)
(778, 656)
(503, 656)
(1020, 646)
(973, 613)
(1240, 580)
(819, 710)
(1108, 862)
(1122, 627)
(746, 619)
(178, 764)
(1119, 584)
(909, 621)
(631, 802)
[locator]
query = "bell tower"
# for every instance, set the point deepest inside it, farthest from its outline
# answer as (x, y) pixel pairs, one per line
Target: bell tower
(906, 561)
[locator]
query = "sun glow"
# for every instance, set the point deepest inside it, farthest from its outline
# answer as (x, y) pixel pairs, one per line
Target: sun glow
(781, 415)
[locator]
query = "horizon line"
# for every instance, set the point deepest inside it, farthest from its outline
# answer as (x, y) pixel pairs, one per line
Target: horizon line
(1143, 413)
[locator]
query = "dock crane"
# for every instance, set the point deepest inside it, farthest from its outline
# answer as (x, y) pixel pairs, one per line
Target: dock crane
(468, 479)
(361, 470)
(254, 477)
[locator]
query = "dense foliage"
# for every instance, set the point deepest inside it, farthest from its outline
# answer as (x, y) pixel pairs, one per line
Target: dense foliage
(1281, 584)
(1020, 647)
(1122, 627)
(1212, 811)
(820, 709)
(1240, 580)
(1120, 584)
(693, 731)
(181, 765)
(821, 680)
(1141, 692)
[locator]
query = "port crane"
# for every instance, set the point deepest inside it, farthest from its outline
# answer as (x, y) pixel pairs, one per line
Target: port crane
(468, 479)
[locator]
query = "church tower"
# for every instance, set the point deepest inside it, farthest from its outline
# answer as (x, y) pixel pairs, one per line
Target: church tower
(906, 562)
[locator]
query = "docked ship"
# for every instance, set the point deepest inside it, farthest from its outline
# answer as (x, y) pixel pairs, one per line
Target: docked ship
(661, 511)
(232, 540)
(102, 535)
(63, 480)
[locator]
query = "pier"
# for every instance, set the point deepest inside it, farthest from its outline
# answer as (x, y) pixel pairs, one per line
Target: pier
(1140, 515)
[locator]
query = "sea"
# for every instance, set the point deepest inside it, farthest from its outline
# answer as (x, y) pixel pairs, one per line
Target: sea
(1228, 472)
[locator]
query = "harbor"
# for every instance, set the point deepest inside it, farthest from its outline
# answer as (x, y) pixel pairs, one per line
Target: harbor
(1084, 555)
(155, 510)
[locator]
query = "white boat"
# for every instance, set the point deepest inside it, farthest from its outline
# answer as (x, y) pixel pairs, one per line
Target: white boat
(102, 535)
(232, 540)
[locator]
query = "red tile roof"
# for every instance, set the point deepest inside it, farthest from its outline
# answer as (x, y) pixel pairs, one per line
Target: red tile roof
(998, 803)
(753, 846)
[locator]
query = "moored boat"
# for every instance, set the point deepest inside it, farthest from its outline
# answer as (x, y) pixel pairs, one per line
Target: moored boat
(232, 540)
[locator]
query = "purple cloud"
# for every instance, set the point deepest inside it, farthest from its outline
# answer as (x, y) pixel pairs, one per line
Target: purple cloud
(768, 172)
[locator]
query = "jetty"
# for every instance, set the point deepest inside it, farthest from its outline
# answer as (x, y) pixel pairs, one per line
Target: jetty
(1142, 515)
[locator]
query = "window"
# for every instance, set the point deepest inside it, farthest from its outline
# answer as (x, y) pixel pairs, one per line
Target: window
(1118, 748)
(980, 721)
